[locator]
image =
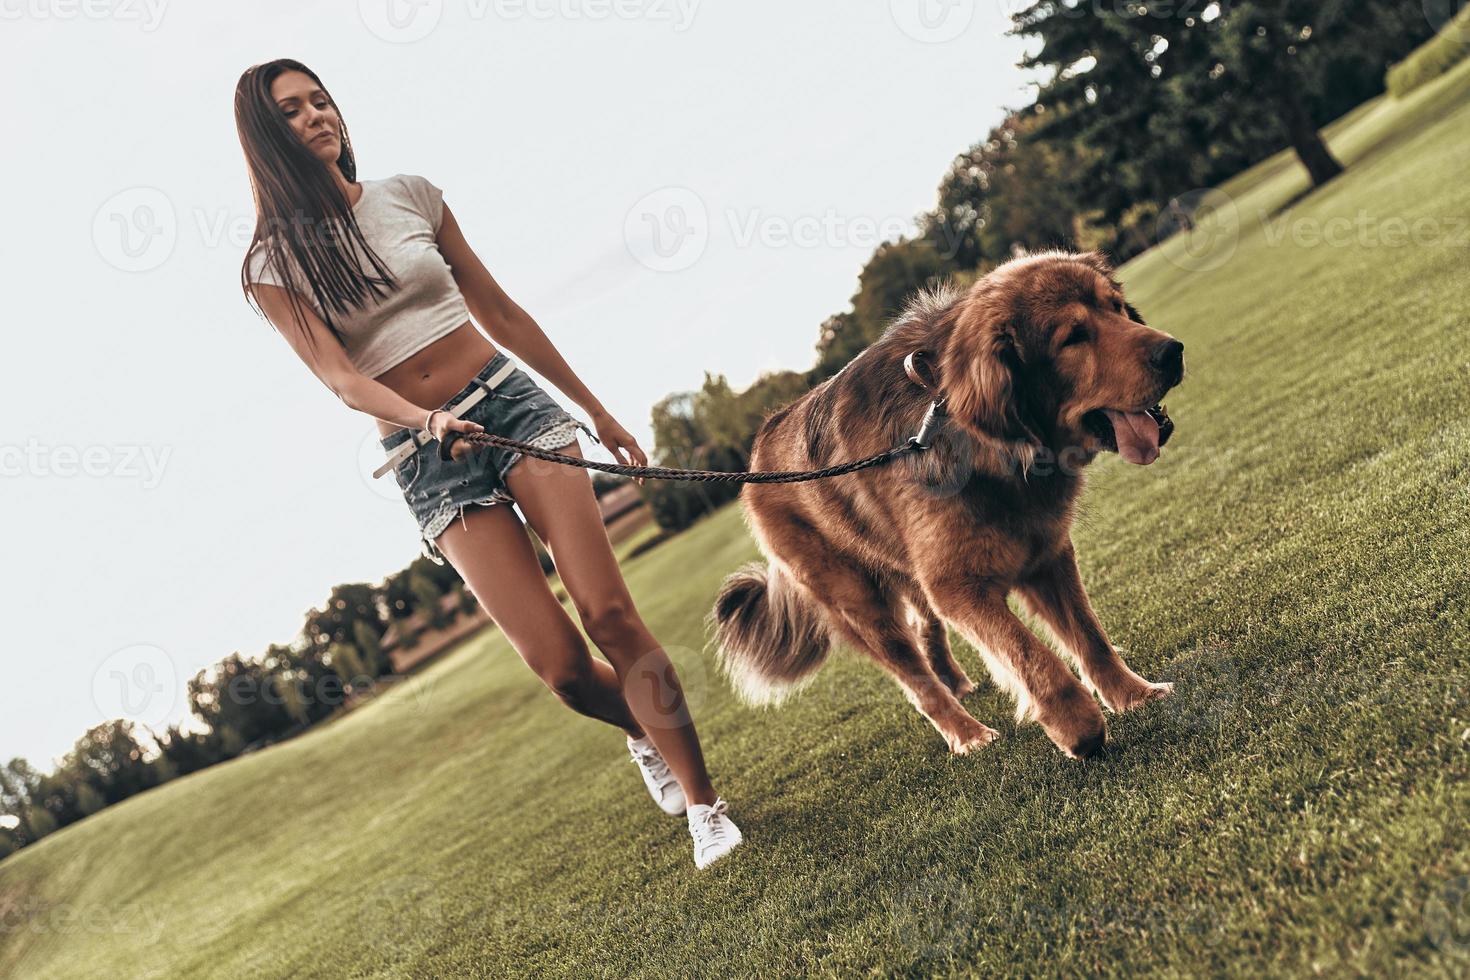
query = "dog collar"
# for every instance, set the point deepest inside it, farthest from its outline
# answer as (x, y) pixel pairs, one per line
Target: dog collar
(935, 414)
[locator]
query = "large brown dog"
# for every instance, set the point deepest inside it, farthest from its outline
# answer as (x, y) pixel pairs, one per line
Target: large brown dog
(1043, 364)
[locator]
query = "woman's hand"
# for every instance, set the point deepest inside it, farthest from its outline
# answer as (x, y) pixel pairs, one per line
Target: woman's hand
(443, 423)
(618, 441)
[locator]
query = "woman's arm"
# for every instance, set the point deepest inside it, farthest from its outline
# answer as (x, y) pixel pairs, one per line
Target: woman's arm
(503, 319)
(328, 361)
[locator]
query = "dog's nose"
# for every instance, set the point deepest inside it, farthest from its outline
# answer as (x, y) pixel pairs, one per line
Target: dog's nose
(1168, 359)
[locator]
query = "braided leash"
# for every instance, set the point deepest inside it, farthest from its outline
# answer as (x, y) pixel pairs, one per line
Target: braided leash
(915, 443)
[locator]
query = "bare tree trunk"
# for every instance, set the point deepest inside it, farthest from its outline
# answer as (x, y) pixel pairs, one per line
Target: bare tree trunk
(1306, 139)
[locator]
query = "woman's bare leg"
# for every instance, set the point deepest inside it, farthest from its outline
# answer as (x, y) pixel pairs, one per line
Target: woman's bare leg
(493, 554)
(559, 504)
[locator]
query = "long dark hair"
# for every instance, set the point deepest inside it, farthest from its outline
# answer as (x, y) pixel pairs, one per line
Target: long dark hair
(300, 211)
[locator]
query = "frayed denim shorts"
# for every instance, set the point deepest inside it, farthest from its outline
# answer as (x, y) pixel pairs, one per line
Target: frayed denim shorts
(518, 408)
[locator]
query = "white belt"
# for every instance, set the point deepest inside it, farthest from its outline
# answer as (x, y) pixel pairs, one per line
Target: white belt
(421, 436)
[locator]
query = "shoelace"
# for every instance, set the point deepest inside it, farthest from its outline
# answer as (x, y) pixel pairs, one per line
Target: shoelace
(651, 760)
(709, 827)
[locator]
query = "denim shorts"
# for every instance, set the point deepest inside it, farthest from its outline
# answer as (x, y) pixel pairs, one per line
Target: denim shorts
(517, 408)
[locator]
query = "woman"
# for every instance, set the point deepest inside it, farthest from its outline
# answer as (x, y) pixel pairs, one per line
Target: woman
(408, 355)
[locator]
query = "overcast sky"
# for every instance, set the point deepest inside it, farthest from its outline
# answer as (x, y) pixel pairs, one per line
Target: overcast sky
(667, 186)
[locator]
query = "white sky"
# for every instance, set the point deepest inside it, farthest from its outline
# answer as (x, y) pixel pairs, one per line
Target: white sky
(178, 486)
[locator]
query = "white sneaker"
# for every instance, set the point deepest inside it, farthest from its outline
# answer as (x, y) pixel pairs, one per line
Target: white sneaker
(715, 834)
(662, 785)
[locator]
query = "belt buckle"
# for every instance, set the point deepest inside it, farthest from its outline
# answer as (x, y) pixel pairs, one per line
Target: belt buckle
(421, 437)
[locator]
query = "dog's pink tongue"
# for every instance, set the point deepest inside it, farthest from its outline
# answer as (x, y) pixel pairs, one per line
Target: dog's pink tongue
(1137, 435)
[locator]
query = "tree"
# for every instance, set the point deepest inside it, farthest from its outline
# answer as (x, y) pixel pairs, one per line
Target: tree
(239, 693)
(109, 761)
(1172, 101)
(347, 663)
(367, 641)
(426, 597)
(891, 275)
(347, 606)
(1006, 192)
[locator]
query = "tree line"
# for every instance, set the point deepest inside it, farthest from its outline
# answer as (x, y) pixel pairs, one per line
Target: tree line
(242, 703)
(1145, 102)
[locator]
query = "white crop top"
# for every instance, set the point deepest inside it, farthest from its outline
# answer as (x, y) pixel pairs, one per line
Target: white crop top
(399, 217)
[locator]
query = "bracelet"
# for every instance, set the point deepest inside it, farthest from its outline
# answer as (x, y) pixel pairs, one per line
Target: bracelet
(429, 418)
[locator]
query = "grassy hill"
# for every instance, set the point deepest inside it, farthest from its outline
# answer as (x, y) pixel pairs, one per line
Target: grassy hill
(1296, 561)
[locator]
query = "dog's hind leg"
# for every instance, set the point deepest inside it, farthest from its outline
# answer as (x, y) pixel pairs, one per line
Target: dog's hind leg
(870, 617)
(934, 638)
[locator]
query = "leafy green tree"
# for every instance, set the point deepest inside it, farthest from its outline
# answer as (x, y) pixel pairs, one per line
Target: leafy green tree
(1167, 100)
(39, 822)
(189, 752)
(1004, 193)
(238, 694)
(893, 273)
(110, 761)
(336, 621)
(89, 800)
(368, 643)
(426, 598)
(347, 664)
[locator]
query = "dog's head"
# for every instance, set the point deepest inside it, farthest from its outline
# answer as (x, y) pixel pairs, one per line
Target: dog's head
(1046, 351)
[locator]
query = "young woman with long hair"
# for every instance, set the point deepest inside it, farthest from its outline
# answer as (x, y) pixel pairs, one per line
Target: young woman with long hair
(396, 342)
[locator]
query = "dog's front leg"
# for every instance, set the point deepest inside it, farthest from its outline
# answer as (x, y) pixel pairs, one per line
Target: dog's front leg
(1055, 594)
(1043, 686)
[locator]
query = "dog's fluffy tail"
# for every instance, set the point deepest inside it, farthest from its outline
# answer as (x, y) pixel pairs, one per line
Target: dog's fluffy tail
(771, 636)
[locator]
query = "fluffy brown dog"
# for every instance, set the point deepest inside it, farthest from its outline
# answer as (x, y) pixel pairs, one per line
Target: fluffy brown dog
(1043, 364)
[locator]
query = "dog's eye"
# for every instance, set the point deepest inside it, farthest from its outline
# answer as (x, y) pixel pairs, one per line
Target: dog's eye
(1075, 335)
(1118, 306)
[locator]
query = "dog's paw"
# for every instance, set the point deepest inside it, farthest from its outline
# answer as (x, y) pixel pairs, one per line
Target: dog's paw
(1137, 696)
(970, 736)
(964, 688)
(1074, 723)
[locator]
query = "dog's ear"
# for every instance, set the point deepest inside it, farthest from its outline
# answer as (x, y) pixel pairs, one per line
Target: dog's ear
(978, 369)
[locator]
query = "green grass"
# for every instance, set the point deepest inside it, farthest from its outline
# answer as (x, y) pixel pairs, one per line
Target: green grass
(1434, 57)
(1296, 561)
